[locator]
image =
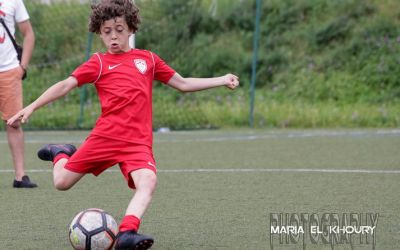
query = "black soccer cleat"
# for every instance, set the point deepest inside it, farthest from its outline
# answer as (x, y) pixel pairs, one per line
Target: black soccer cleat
(24, 183)
(130, 240)
(49, 151)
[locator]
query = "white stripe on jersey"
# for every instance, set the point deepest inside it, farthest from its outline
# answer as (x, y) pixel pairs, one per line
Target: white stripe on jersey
(154, 64)
(101, 67)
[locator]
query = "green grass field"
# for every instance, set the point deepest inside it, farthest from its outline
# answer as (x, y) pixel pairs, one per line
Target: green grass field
(217, 188)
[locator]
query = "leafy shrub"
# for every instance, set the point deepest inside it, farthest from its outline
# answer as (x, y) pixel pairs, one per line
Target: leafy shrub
(311, 52)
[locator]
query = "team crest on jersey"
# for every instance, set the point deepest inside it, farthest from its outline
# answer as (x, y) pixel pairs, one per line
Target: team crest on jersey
(141, 65)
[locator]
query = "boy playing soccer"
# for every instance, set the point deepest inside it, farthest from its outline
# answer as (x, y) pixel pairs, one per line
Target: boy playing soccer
(123, 133)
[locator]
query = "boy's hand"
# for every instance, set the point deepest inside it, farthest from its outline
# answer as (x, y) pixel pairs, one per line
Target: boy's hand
(231, 81)
(22, 116)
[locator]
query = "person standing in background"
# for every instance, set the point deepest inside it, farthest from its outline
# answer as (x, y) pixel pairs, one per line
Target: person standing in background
(14, 14)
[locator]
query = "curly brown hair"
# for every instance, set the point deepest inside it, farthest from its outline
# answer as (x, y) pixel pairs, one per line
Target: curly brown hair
(109, 9)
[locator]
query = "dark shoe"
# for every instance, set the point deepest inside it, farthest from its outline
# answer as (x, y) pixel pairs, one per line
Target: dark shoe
(49, 151)
(24, 183)
(130, 240)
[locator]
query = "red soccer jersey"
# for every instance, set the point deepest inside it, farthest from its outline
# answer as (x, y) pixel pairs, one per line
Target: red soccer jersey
(124, 85)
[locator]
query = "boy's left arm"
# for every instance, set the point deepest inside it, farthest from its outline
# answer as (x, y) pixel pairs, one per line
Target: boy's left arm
(195, 84)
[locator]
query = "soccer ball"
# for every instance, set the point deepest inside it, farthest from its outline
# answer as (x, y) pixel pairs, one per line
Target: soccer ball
(93, 229)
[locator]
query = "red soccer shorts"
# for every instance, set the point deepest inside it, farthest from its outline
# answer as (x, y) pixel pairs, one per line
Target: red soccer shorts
(98, 153)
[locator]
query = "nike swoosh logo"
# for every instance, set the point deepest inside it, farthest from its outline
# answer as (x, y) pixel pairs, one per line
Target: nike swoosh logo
(151, 164)
(113, 67)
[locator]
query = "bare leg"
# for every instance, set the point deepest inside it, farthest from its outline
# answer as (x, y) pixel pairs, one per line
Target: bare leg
(15, 137)
(145, 181)
(63, 178)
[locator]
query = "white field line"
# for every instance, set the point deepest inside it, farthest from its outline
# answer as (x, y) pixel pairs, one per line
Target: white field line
(244, 170)
(232, 137)
(274, 135)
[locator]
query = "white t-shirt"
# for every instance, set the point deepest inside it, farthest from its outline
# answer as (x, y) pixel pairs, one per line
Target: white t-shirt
(12, 11)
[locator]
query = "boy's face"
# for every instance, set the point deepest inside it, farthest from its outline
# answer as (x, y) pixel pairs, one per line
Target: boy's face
(115, 35)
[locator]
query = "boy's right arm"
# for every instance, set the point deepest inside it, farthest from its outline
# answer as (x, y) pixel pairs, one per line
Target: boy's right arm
(53, 93)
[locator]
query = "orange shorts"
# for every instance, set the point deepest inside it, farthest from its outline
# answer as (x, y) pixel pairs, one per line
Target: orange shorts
(10, 93)
(99, 153)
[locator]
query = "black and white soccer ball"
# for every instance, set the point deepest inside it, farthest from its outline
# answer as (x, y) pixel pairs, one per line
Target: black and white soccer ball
(93, 229)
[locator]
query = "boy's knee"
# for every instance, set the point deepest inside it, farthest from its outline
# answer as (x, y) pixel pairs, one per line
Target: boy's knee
(151, 181)
(61, 185)
(147, 181)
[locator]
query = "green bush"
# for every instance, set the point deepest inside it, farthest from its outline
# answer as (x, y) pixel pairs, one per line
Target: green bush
(312, 52)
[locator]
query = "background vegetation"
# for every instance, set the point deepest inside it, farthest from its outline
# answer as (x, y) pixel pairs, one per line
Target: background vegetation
(321, 63)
